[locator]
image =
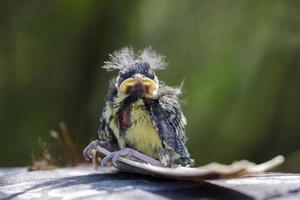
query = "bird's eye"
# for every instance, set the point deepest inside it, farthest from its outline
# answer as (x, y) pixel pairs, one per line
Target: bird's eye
(124, 76)
(150, 75)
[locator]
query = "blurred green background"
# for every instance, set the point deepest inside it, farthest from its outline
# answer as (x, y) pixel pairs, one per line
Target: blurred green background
(240, 61)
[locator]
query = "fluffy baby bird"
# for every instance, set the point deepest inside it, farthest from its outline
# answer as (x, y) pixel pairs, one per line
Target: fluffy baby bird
(141, 113)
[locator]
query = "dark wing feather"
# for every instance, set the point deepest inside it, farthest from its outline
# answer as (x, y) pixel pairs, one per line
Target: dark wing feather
(105, 132)
(170, 122)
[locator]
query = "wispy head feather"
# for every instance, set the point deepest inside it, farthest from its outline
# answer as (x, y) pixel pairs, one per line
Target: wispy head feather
(155, 60)
(127, 58)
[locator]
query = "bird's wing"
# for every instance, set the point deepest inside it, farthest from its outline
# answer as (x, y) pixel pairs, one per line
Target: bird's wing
(170, 122)
(105, 132)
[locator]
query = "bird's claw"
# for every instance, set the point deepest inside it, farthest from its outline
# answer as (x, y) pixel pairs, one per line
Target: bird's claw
(130, 154)
(90, 151)
(114, 157)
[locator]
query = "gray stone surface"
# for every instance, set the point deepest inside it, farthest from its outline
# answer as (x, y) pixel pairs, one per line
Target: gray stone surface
(85, 183)
(265, 186)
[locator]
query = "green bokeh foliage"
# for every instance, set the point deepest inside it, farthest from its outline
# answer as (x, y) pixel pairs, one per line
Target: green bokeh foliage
(239, 60)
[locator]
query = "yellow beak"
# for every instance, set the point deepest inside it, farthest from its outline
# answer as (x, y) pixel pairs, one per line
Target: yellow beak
(148, 84)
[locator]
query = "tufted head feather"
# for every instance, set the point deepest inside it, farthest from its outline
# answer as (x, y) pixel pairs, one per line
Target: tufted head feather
(126, 58)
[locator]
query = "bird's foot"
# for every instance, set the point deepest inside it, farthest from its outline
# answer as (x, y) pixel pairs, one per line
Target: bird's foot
(130, 154)
(165, 158)
(97, 146)
(90, 150)
(187, 162)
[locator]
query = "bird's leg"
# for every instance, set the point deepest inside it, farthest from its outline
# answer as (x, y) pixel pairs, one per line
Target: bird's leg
(187, 162)
(95, 146)
(165, 157)
(103, 147)
(130, 154)
(90, 150)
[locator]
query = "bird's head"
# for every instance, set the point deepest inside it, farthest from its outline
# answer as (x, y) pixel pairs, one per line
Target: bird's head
(140, 78)
(136, 71)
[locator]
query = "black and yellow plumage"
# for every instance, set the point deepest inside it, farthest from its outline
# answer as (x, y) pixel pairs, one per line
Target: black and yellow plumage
(142, 112)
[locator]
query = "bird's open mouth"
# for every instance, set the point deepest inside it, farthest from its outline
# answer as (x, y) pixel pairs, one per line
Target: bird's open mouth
(145, 84)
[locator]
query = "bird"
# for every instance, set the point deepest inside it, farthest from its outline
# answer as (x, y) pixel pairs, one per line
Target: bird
(142, 115)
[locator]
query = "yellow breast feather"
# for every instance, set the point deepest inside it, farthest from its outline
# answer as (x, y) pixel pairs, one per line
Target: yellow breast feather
(142, 134)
